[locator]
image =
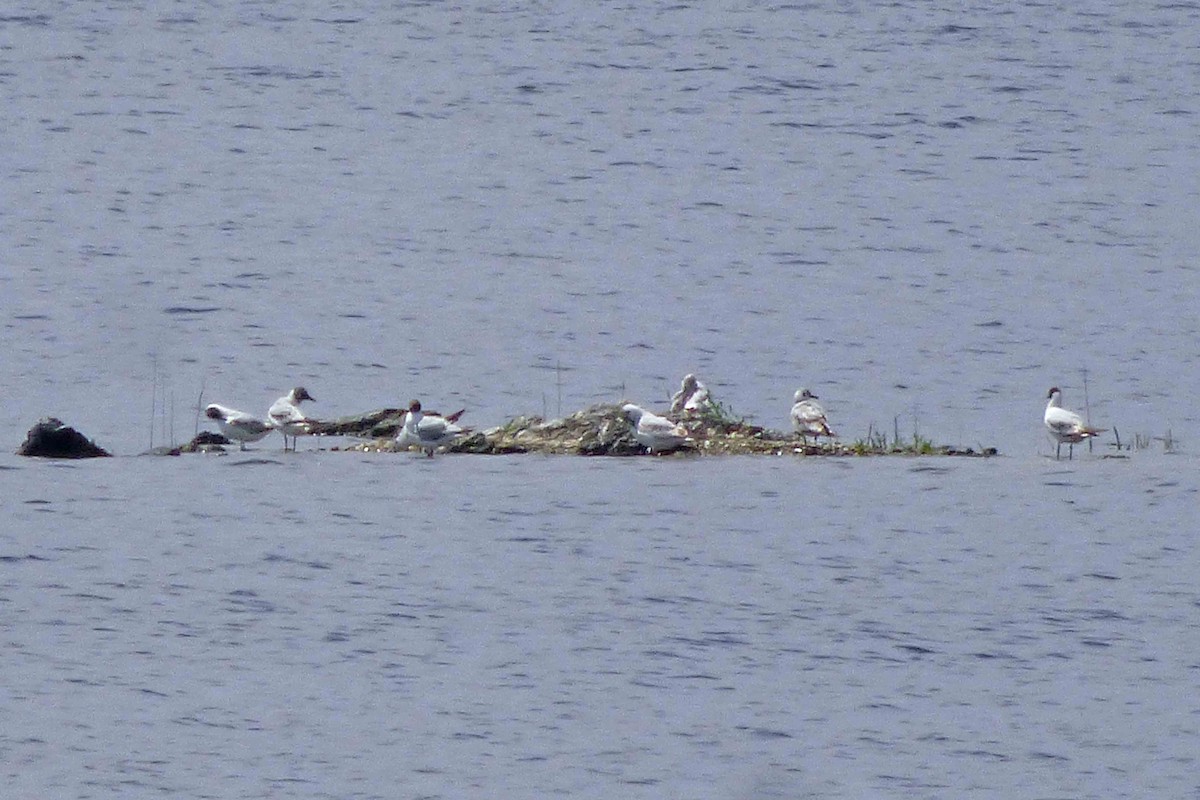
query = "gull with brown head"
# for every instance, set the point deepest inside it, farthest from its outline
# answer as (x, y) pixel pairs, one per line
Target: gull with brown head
(1066, 427)
(428, 431)
(285, 414)
(808, 416)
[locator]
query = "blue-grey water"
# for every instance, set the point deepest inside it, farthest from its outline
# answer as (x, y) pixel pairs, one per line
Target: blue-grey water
(926, 215)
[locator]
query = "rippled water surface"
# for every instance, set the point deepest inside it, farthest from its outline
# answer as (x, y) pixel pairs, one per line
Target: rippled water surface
(330, 625)
(928, 216)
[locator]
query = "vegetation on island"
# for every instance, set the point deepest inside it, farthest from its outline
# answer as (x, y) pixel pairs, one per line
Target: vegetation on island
(603, 430)
(600, 430)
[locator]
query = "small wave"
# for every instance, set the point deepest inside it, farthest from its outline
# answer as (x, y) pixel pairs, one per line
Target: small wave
(191, 309)
(25, 19)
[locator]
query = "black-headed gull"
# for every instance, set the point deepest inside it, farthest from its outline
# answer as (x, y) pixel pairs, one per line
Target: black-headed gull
(692, 396)
(285, 414)
(1065, 426)
(428, 431)
(808, 417)
(238, 425)
(658, 434)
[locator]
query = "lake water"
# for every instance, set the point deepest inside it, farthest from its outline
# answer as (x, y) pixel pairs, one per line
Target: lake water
(928, 216)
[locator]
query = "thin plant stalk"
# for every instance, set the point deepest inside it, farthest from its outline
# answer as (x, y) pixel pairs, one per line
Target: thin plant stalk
(199, 405)
(1087, 406)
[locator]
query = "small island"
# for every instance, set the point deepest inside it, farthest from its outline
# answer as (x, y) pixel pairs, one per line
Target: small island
(600, 430)
(603, 430)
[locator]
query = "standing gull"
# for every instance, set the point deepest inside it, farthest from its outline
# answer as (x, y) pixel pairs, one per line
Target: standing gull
(808, 417)
(427, 431)
(238, 425)
(286, 415)
(692, 396)
(658, 434)
(1065, 426)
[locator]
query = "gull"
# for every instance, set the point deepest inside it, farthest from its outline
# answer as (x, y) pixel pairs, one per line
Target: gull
(692, 396)
(1065, 426)
(428, 431)
(658, 434)
(238, 425)
(286, 415)
(808, 417)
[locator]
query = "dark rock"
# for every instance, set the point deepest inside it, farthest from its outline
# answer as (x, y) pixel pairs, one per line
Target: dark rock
(382, 424)
(50, 438)
(203, 442)
(207, 438)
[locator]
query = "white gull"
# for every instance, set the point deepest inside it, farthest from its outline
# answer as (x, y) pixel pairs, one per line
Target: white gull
(808, 417)
(692, 396)
(238, 425)
(1065, 426)
(427, 431)
(285, 414)
(658, 434)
